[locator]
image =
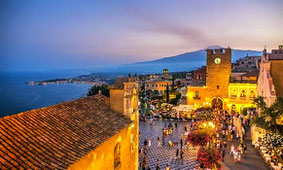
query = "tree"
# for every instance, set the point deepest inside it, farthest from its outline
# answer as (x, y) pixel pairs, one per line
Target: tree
(259, 101)
(167, 94)
(269, 118)
(173, 84)
(175, 100)
(94, 90)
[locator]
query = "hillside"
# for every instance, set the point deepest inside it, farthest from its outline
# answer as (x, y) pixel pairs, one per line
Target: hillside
(182, 62)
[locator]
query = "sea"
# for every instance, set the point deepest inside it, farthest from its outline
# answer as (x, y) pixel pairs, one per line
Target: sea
(16, 95)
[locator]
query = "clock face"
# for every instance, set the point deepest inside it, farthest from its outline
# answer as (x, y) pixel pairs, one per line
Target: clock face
(217, 60)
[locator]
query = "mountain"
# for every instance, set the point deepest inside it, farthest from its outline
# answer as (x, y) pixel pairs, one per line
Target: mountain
(182, 62)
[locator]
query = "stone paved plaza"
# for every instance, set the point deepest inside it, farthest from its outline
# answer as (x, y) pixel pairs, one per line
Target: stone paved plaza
(165, 154)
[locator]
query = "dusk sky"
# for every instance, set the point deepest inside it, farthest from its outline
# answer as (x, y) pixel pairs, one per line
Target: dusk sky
(67, 34)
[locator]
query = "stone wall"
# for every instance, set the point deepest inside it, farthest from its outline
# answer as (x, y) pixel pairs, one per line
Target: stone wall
(103, 156)
(218, 75)
(116, 100)
(276, 72)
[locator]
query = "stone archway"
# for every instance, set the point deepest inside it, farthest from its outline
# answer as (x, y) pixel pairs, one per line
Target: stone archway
(217, 103)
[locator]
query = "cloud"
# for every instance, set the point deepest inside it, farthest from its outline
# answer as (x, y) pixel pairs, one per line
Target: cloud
(190, 35)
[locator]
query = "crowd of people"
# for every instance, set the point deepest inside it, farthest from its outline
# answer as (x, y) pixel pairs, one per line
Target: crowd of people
(226, 133)
(271, 150)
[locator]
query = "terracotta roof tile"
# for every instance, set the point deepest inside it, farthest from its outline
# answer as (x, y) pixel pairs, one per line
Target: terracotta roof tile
(119, 83)
(57, 136)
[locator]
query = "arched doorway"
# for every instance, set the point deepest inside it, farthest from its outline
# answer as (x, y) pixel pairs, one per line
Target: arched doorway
(217, 103)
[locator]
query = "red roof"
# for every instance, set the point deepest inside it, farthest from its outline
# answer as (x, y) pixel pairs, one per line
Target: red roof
(57, 136)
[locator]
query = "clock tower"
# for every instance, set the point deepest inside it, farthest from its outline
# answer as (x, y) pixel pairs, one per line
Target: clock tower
(218, 70)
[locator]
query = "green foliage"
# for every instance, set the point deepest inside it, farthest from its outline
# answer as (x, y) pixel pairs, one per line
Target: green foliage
(174, 101)
(259, 101)
(156, 97)
(173, 84)
(245, 111)
(94, 90)
(145, 110)
(167, 93)
(179, 75)
(205, 115)
(270, 116)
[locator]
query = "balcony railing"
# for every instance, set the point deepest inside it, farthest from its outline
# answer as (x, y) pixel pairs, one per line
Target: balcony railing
(242, 98)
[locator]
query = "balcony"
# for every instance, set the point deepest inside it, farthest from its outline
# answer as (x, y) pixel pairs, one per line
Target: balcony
(242, 98)
(196, 98)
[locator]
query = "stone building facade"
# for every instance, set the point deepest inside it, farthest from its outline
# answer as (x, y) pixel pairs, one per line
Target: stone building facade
(270, 80)
(218, 91)
(89, 133)
(200, 74)
(158, 86)
(218, 68)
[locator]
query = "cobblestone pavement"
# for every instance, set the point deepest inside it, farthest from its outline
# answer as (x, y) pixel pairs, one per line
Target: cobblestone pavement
(252, 160)
(165, 154)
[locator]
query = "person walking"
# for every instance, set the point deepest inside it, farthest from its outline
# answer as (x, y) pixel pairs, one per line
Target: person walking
(167, 167)
(232, 149)
(158, 165)
(223, 154)
(245, 148)
(235, 154)
(158, 142)
(177, 153)
(149, 143)
(140, 152)
(181, 154)
(145, 142)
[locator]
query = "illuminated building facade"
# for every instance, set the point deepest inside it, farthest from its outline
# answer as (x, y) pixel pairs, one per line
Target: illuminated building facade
(89, 133)
(158, 86)
(218, 91)
(270, 81)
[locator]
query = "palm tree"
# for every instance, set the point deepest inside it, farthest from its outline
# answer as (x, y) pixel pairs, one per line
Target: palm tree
(270, 117)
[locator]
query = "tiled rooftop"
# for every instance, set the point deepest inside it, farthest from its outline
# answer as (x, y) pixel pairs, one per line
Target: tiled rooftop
(119, 83)
(197, 83)
(57, 136)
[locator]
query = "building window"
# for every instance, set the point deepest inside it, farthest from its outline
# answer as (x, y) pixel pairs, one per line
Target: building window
(196, 95)
(153, 85)
(252, 94)
(117, 155)
(243, 93)
(217, 87)
(199, 77)
(234, 93)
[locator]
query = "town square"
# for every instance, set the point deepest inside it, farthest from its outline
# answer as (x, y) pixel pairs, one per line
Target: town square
(141, 85)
